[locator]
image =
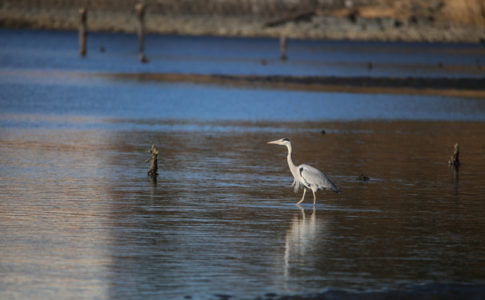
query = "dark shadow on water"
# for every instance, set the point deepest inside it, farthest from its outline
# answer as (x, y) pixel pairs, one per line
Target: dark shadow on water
(405, 292)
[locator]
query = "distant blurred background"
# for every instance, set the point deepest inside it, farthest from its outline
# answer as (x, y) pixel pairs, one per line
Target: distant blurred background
(388, 20)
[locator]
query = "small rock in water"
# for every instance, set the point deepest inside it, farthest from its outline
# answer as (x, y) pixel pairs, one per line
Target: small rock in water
(363, 177)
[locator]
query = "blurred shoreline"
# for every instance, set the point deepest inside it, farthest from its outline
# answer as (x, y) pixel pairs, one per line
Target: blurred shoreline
(446, 87)
(430, 21)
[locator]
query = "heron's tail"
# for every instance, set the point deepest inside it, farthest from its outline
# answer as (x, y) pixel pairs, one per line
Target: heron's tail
(332, 186)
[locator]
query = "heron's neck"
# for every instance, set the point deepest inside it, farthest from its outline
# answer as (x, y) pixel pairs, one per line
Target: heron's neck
(290, 161)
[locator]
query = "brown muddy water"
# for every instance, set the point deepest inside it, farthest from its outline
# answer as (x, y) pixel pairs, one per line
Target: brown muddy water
(80, 218)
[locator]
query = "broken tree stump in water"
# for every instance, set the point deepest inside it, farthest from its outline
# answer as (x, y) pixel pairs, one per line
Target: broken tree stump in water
(153, 159)
(455, 159)
(83, 31)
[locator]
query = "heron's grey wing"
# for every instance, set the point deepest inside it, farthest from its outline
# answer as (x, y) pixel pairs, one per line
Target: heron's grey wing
(313, 176)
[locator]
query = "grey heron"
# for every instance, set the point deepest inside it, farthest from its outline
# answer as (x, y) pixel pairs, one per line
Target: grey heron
(305, 175)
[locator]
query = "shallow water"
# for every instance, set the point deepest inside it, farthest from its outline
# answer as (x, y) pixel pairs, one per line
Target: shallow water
(79, 216)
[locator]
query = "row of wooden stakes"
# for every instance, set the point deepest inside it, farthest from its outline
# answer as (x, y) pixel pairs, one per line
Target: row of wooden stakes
(140, 30)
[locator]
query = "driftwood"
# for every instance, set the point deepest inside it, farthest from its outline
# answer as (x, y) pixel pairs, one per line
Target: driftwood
(83, 31)
(455, 158)
(290, 17)
(153, 159)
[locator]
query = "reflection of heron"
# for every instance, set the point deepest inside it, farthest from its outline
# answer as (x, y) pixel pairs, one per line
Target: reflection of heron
(300, 234)
(306, 175)
(304, 242)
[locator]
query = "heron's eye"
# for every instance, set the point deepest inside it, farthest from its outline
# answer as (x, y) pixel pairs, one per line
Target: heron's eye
(285, 139)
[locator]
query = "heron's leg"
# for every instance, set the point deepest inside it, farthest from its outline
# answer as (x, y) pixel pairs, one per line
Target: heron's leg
(303, 197)
(314, 198)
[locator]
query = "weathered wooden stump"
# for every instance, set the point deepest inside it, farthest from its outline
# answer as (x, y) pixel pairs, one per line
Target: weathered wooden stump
(83, 31)
(283, 56)
(140, 28)
(455, 158)
(153, 159)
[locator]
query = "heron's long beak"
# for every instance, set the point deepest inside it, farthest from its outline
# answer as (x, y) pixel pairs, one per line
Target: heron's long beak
(274, 142)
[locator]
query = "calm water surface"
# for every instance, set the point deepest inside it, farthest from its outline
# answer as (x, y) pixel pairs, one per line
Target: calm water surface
(79, 217)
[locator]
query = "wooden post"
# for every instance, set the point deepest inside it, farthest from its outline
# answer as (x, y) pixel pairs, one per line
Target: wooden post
(283, 56)
(82, 31)
(153, 159)
(140, 28)
(455, 158)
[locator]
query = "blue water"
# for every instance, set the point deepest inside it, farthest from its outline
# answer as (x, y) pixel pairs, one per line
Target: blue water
(41, 73)
(51, 94)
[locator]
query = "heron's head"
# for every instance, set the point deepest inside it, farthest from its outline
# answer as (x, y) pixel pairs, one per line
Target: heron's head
(283, 142)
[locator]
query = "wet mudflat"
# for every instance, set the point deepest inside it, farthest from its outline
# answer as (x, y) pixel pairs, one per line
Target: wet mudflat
(79, 216)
